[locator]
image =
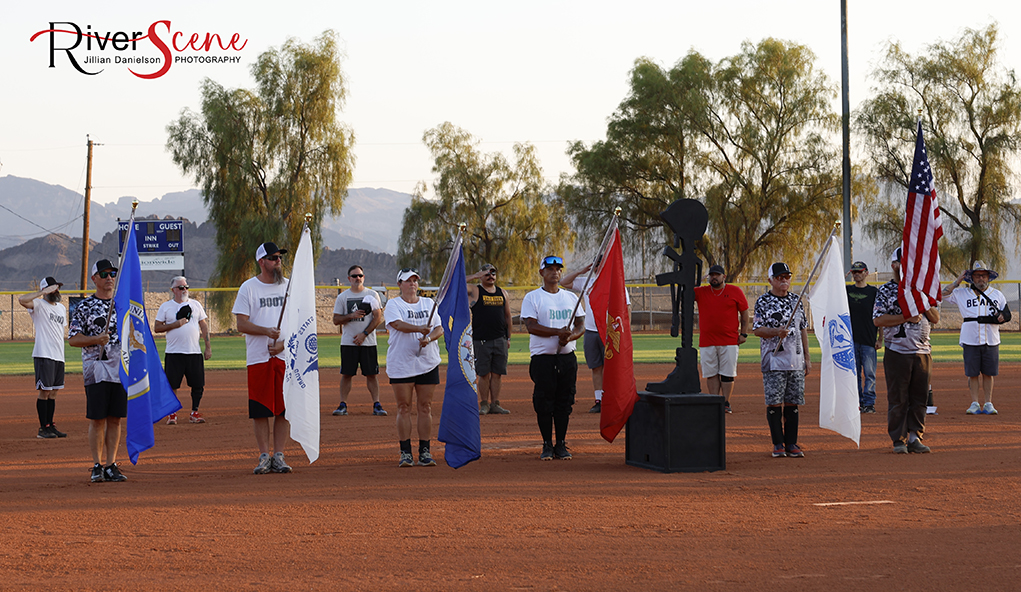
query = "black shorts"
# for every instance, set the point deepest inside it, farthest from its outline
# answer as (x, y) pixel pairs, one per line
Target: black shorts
(491, 356)
(353, 356)
(49, 374)
(430, 377)
(190, 366)
(105, 399)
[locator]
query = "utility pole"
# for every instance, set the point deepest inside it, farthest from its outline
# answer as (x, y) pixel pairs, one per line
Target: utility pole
(85, 224)
(846, 121)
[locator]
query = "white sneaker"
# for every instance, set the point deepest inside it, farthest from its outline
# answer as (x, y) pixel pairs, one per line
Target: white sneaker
(988, 409)
(277, 465)
(265, 462)
(974, 409)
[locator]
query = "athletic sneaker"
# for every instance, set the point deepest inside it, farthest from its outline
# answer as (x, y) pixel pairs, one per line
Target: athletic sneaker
(265, 462)
(726, 407)
(172, 419)
(377, 409)
(112, 473)
(917, 447)
(97, 473)
(974, 409)
(45, 433)
(484, 408)
(547, 451)
(406, 460)
(868, 409)
(342, 410)
(778, 451)
(988, 409)
(561, 452)
(278, 465)
(900, 448)
(196, 417)
(495, 409)
(597, 408)
(58, 433)
(425, 458)
(794, 451)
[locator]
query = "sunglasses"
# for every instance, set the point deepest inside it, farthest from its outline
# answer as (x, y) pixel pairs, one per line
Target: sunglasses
(107, 274)
(552, 260)
(491, 272)
(180, 287)
(356, 275)
(274, 257)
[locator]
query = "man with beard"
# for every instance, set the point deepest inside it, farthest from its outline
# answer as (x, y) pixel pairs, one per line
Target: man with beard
(93, 328)
(491, 323)
(258, 307)
(907, 363)
(861, 299)
(723, 325)
(983, 308)
(184, 321)
(50, 320)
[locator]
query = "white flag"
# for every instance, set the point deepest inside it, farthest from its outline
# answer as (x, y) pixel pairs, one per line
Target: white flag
(301, 352)
(838, 385)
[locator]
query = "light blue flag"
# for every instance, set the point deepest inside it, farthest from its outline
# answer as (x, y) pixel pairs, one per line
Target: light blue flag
(459, 421)
(150, 397)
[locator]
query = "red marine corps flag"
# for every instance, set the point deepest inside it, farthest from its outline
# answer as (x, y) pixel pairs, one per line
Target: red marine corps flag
(608, 300)
(919, 266)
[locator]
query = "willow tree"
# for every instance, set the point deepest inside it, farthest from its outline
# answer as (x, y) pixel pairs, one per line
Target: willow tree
(749, 136)
(510, 220)
(970, 107)
(267, 156)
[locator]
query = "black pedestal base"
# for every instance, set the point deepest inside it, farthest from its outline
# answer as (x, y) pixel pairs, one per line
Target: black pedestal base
(677, 433)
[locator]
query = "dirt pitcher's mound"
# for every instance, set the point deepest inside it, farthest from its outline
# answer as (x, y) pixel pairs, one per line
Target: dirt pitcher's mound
(193, 516)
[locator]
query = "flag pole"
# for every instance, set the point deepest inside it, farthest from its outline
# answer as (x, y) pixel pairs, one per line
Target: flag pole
(818, 262)
(117, 280)
(287, 293)
(597, 263)
(447, 271)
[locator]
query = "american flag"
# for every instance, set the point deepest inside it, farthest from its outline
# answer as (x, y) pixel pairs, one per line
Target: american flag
(919, 266)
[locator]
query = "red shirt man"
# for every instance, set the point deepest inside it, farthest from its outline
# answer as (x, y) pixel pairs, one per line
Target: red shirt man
(723, 325)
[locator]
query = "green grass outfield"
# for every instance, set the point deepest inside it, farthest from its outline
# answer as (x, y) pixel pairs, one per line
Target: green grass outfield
(229, 352)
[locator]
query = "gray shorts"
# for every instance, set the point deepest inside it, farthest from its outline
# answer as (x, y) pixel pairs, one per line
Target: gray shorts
(785, 387)
(594, 350)
(491, 356)
(49, 374)
(981, 359)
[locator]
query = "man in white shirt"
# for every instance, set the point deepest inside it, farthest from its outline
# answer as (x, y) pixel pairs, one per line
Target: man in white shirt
(258, 309)
(983, 308)
(184, 321)
(358, 312)
(546, 313)
(50, 320)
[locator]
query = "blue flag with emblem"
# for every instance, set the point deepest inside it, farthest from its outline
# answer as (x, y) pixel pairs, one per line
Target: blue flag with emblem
(459, 421)
(150, 397)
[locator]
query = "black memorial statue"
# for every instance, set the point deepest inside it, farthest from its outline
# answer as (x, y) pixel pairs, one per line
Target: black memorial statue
(688, 219)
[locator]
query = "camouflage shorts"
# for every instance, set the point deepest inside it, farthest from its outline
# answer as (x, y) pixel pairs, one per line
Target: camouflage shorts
(784, 387)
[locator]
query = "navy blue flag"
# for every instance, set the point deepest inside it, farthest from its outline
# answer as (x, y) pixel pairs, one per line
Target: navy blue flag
(459, 421)
(150, 397)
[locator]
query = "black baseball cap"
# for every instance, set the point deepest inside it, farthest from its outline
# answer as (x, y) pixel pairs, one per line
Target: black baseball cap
(267, 249)
(103, 265)
(778, 269)
(716, 269)
(49, 281)
(859, 266)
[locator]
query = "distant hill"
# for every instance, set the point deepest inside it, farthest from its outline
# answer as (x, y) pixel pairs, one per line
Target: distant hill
(370, 219)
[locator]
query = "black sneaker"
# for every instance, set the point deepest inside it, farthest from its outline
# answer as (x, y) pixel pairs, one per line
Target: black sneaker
(597, 408)
(58, 433)
(112, 473)
(547, 451)
(868, 409)
(560, 451)
(97, 473)
(341, 410)
(726, 407)
(377, 409)
(916, 447)
(45, 433)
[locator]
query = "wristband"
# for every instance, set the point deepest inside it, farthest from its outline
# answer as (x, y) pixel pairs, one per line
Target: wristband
(745, 335)
(365, 332)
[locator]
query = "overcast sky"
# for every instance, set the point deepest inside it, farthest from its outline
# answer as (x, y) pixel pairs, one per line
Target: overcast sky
(544, 72)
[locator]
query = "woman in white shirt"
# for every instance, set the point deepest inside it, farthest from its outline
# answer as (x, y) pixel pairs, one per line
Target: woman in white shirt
(413, 363)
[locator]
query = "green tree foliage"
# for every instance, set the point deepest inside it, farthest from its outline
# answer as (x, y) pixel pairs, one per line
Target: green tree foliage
(510, 221)
(748, 136)
(266, 157)
(971, 115)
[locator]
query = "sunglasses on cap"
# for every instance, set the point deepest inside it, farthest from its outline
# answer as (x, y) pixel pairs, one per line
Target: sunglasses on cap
(553, 260)
(107, 274)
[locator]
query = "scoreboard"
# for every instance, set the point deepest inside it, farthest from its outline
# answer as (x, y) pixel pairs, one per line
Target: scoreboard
(154, 236)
